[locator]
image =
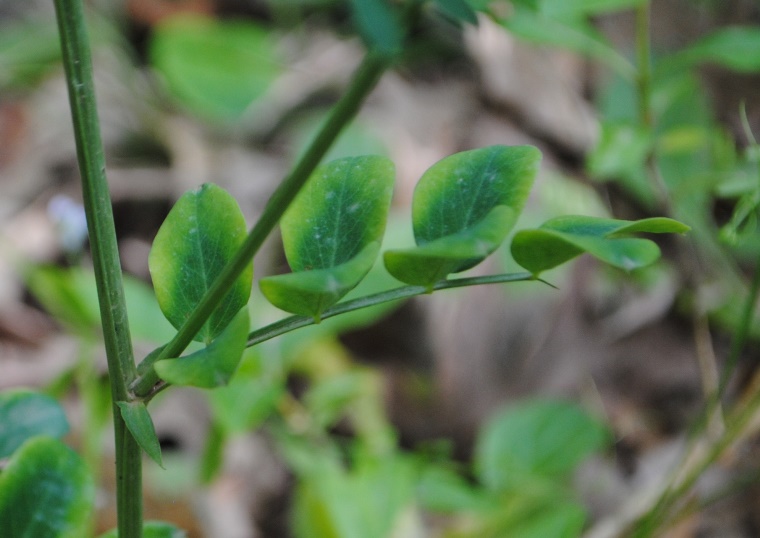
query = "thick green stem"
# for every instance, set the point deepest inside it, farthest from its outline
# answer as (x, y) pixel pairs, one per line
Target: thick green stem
(343, 112)
(97, 203)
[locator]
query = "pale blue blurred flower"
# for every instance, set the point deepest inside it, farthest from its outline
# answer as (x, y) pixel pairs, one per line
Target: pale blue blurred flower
(70, 222)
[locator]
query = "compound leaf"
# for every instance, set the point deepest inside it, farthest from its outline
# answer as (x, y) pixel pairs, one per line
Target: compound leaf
(464, 206)
(46, 491)
(200, 235)
(137, 419)
(332, 233)
(561, 239)
(214, 365)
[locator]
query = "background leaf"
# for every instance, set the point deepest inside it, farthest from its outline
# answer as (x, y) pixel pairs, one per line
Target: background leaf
(535, 439)
(214, 68)
(576, 35)
(736, 48)
(45, 491)
(562, 239)
(379, 24)
(578, 8)
(458, 10)
(454, 211)
(250, 397)
(367, 501)
(214, 365)
(137, 418)
(71, 296)
(25, 414)
(200, 235)
(530, 514)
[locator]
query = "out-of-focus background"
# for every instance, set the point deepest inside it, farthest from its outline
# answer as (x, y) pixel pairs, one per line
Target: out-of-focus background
(379, 423)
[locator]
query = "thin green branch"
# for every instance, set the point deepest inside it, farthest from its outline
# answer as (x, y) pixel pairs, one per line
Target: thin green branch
(656, 519)
(292, 323)
(77, 63)
(364, 81)
(742, 331)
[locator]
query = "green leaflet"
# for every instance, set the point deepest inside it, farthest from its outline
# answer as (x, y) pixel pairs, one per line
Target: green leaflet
(46, 491)
(434, 261)
(214, 365)
(25, 414)
(562, 239)
(332, 233)
(464, 206)
(310, 293)
(137, 419)
(202, 232)
(214, 68)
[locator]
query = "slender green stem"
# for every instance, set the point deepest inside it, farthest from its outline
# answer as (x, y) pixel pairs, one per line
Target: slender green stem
(658, 516)
(405, 292)
(77, 62)
(742, 331)
(644, 95)
(365, 79)
(291, 323)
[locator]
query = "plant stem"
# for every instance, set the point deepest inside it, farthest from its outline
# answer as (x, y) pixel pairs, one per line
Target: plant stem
(742, 331)
(77, 63)
(659, 515)
(405, 292)
(365, 79)
(291, 323)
